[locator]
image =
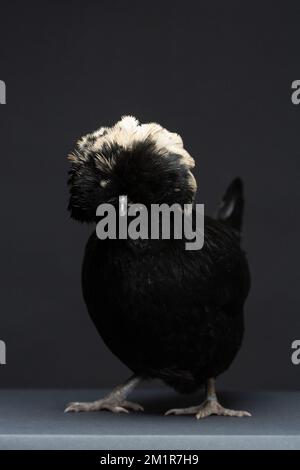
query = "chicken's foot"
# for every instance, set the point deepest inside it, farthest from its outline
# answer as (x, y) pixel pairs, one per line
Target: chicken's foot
(115, 401)
(210, 406)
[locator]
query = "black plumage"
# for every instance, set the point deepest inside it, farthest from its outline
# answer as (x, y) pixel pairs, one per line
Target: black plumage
(164, 311)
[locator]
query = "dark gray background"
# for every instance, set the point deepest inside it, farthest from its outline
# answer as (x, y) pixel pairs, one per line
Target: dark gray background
(220, 74)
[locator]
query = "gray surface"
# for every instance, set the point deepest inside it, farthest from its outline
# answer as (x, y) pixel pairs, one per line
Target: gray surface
(34, 419)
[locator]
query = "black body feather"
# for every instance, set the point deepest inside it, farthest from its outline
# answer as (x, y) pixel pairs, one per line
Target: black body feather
(164, 311)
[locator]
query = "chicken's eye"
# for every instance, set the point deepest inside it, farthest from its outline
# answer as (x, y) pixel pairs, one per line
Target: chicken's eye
(104, 183)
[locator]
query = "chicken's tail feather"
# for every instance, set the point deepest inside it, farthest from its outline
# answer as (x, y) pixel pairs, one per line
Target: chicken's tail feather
(231, 208)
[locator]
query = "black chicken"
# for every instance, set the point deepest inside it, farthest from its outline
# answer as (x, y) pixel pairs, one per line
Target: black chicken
(165, 312)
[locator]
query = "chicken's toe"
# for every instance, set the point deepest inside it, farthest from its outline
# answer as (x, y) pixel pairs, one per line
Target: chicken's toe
(182, 411)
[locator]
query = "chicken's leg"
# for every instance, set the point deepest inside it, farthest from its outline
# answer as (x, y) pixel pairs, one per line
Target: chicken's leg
(210, 406)
(115, 401)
